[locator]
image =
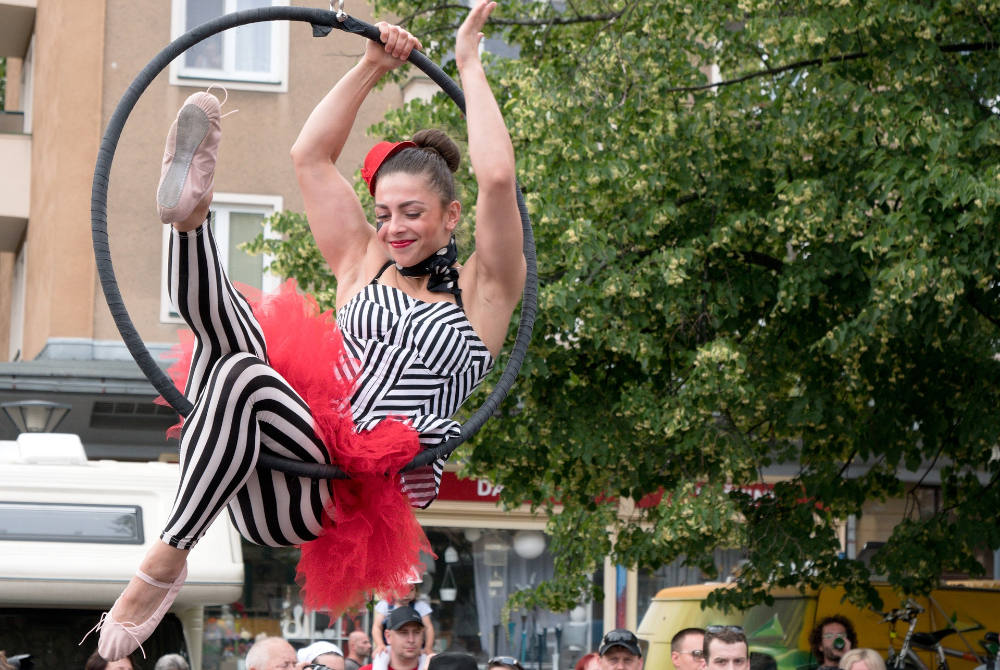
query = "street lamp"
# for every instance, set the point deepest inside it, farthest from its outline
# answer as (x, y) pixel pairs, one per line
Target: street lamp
(35, 416)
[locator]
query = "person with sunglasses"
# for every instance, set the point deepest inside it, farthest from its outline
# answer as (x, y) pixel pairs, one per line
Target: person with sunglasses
(504, 663)
(726, 648)
(620, 650)
(322, 655)
(687, 649)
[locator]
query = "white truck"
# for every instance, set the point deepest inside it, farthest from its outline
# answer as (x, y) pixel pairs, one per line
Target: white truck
(72, 533)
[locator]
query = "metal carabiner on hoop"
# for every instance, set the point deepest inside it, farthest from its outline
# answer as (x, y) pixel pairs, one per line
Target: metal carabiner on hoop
(341, 14)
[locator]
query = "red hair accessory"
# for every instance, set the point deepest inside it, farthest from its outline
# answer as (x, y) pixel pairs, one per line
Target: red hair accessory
(378, 155)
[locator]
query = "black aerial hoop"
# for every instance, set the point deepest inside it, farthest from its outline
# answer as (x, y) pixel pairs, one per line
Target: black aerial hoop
(323, 22)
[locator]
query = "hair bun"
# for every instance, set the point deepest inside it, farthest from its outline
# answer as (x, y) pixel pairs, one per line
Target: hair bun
(437, 141)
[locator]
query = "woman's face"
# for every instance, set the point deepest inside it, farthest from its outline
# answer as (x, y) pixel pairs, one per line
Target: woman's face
(412, 223)
(859, 665)
(123, 664)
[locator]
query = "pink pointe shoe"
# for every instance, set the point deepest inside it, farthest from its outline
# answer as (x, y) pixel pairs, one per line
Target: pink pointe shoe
(188, 171)
(120, 638)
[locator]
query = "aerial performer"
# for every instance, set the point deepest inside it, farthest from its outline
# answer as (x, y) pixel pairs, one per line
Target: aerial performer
(414, 334)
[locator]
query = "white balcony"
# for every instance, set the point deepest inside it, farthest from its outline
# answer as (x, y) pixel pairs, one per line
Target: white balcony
(17, 21)
(15, 188)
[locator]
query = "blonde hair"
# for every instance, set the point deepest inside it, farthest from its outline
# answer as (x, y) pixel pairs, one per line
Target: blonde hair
(869, 657)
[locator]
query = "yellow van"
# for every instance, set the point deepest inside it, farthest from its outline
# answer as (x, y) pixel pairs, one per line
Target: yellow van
(782, 629)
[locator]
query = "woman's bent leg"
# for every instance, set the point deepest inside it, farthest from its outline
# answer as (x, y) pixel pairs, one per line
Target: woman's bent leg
(245, 407)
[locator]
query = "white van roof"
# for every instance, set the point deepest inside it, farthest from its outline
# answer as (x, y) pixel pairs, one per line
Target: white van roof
(73, 531)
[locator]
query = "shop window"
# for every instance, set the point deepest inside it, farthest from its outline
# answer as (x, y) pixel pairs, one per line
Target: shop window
(466, 584)
(270, 605)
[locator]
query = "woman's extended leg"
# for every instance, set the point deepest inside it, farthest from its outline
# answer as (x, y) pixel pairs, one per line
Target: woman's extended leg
(223, 324)
(223, 434)
(245, 407)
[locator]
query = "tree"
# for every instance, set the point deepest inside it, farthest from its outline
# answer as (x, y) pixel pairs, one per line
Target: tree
(791, 259)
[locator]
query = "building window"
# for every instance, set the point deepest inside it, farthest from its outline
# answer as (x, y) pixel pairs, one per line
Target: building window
(253, 56)
(238, 219)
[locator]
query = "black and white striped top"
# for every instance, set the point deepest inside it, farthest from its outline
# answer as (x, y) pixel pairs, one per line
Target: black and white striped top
(419, 360)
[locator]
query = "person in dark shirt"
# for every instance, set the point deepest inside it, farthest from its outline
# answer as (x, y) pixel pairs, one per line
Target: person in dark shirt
(358, 649)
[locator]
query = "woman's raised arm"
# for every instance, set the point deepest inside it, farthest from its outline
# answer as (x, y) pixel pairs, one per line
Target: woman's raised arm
(498, 263)
(336, 217)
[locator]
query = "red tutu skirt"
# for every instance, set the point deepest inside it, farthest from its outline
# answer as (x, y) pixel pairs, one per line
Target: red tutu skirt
(371, 539)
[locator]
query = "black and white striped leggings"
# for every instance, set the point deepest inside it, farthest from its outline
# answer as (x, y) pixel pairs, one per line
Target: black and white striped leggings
(241, 407)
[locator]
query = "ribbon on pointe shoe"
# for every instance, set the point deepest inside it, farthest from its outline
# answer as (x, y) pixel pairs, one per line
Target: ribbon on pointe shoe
(100, 624)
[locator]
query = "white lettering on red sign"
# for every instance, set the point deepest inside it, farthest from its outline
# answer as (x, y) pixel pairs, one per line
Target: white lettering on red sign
(486, 489)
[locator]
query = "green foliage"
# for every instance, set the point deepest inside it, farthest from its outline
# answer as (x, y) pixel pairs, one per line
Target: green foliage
(795, 270)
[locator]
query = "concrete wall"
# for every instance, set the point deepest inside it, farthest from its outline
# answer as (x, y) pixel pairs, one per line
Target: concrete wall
(67, 120)
(12, 93)
(15, 175)
(6, 282)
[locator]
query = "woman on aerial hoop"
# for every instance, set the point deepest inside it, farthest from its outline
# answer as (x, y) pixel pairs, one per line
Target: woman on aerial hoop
(417, 332)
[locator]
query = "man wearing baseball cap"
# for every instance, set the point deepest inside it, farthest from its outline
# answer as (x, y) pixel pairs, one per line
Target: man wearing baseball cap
(620, 650)
(404, 631)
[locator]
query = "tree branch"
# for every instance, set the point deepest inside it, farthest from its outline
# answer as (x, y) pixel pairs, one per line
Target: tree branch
(758, 258)
(560, 20)
(842, 58)
(847, 463)
(516, 21)
(973, 300)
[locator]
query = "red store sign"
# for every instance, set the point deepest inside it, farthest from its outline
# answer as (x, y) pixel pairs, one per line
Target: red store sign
(482, 490)
(468, 490)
